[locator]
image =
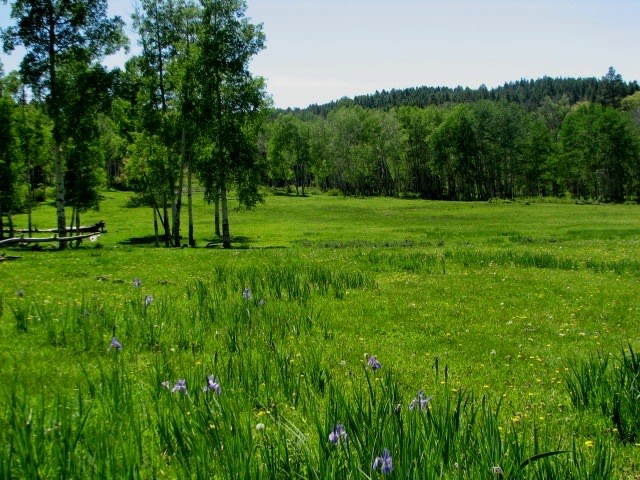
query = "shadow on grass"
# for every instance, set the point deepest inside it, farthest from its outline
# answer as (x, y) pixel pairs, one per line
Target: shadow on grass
(147, 240)
(284, 193)
(241, 243)
(237, 243)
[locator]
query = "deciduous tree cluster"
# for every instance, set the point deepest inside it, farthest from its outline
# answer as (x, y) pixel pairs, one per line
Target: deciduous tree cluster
(187, 105)
(472, 150)
(187, 111)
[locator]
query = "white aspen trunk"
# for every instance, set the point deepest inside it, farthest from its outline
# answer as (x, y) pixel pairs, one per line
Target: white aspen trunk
(192, 241)
(226, 235)
(60, 192)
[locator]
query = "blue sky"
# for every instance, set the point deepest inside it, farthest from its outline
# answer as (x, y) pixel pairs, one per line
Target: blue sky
(322, 50)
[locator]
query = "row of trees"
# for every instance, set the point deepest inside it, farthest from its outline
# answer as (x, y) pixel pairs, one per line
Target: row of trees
(530, 94)
(188, 111)
(63, 40)
(471, 151)
(187, 105)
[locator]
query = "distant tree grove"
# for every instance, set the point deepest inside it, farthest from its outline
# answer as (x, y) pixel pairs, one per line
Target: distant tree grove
(549, 137)
(186, 115)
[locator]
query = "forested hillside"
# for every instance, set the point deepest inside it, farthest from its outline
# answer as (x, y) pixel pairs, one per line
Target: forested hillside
(530, 94)
(187, 111)
(546, 137)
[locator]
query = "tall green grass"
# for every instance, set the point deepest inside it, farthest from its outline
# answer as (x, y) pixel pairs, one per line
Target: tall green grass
(611, 387)
(256, 331)
(517, 344)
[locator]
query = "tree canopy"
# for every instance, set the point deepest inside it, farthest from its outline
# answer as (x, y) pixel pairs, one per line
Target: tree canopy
(61, 38)
(188, 111)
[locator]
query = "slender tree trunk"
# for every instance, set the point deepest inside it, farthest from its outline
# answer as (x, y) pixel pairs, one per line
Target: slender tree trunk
(156, 214)
(29, 208)
(187, 140)
(304, 178)
(1, 225)
(60, 191)
(155, 225)
(10, 220)
(192, 241)
(163, 98)
(57, 129)
(222, 189)
(78, 226)
(72, 224)
(27, 151)
(216, 214)
(177, 204)
(165, 221)
(226, 235)
(172, 208)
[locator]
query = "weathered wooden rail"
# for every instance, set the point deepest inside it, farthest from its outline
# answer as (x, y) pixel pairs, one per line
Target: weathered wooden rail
(95, 228)
(92, 232)
(54, 238)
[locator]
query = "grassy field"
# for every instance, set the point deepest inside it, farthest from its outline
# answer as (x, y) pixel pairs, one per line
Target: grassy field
(520, 319)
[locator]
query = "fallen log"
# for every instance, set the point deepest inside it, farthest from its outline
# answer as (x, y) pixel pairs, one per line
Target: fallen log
(27, 240)
(96, 227)
(5, 258)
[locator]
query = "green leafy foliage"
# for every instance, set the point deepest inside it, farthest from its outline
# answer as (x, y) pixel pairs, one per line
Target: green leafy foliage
(472, 151)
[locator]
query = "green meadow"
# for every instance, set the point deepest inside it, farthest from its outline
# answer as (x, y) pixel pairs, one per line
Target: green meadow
(340, 338)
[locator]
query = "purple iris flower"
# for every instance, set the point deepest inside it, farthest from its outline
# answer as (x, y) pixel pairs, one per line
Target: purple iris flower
(338, 434)
(374, 363)
(420, 401)
(246, 293)
(148, 300)
(212, 385)
(180, 386)
(384, 463)
(137, 283)
(115, 344)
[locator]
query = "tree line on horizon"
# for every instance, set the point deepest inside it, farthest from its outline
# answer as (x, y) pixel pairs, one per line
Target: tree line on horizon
(547, 137)
(187, 111)
(529, 93)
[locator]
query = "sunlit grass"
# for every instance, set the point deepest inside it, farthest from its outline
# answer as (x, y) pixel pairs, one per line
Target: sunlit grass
(488, 304)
